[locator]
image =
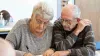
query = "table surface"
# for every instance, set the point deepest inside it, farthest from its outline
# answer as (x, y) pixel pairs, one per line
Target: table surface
(6, 29)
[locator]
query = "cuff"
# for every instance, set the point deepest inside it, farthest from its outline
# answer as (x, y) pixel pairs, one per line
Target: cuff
(72, 35)
(72, 52)
(20, 53)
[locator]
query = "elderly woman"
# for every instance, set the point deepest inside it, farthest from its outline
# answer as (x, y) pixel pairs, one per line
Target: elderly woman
(33, 35)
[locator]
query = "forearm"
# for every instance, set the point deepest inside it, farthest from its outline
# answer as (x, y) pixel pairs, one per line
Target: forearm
(88, 48)
(64, 44)
(71, 39)
(83, 51)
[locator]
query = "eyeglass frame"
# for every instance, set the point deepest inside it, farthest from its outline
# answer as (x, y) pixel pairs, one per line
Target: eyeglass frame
(67, 22)
(41, 22)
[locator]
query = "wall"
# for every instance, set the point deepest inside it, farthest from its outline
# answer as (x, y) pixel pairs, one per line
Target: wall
(91, 10)
(20, 9)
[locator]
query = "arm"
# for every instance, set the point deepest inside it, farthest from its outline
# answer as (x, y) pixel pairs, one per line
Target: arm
(88, 48)
(61, 42)
(89, 45)
(14, 37)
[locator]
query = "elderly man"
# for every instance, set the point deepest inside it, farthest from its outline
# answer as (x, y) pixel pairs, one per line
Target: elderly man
(33, 36)
(6, 49)
(71, 35)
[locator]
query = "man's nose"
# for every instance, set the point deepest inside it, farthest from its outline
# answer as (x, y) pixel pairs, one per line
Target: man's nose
(66, 23)
(63, 23)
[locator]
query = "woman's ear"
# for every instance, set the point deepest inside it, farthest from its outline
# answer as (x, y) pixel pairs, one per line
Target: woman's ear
(32, 15)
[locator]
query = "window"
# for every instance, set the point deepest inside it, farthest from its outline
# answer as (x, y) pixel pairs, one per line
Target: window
(20, 9)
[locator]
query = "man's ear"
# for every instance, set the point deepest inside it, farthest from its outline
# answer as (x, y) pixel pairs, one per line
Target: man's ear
(78, 19)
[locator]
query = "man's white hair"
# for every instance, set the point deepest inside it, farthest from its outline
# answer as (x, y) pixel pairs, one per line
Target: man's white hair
(76, 11)
(44, 10)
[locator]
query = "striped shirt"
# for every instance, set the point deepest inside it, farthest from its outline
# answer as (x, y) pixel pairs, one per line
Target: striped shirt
(81, 45)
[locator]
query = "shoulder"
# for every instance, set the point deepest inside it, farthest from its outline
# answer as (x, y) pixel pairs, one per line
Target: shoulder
(50, 26)
(57, 24)
(88, 31)
(88, 28)
(21, 22)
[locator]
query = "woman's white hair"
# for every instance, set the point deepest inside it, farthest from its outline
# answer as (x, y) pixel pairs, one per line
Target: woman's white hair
(44, 10)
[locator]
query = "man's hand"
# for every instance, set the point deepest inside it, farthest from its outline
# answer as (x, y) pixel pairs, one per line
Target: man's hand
(49, 52)
(81, 25)
(28, 54)
(61, 53)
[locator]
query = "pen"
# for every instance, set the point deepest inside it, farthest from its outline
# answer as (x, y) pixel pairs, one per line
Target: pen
(27, 48)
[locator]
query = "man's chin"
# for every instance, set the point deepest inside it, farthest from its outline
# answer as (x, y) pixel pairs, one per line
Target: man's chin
(67, 29)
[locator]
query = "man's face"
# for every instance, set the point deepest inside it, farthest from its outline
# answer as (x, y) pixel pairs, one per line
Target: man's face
(68, 22)
(39, 24)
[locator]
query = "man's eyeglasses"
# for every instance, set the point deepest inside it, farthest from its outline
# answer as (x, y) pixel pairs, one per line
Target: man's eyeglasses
(68, 22)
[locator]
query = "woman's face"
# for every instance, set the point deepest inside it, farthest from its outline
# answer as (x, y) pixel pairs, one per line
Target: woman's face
(39, 24)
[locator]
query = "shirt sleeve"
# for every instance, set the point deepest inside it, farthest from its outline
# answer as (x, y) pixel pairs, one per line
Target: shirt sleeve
(14, 38)
(89, 46)
(19, 53)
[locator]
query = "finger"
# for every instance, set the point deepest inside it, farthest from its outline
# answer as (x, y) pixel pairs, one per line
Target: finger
(56, 54)
(48, 54)
(44, 54)
(86, 20)
(88, 23)
(52, 54)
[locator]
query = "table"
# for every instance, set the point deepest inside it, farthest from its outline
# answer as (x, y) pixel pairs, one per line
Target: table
(5, 30)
